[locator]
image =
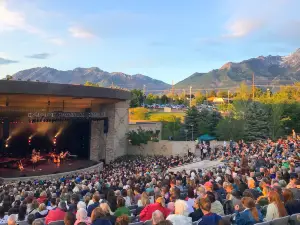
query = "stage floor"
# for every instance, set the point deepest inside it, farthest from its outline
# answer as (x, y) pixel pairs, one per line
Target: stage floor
(46, 168)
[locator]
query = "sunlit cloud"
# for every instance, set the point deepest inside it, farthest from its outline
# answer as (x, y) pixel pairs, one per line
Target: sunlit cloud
(80, 32)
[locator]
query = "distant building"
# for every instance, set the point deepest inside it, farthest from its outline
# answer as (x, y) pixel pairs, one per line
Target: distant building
(215, 100)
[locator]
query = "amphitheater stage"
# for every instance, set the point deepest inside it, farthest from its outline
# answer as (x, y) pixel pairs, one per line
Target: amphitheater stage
(46, 168)
(204, 165)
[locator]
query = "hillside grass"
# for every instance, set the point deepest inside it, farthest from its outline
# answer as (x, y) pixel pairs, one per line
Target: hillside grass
(164, 116)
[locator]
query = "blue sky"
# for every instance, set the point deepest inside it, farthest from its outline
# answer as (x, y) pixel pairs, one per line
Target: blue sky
(164, 39)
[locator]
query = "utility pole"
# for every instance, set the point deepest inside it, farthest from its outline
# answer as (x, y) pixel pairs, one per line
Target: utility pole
(184, 98)
(228, 97)
(253, 87)
(190, 96)
(172, 89)
(144, 94)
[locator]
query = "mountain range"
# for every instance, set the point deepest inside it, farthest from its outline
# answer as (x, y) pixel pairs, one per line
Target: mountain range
(268, 71)
(94, 75)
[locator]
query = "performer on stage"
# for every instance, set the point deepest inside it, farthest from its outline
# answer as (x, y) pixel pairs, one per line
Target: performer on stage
(34, 159)
(20, 166)
(58, 161)
(61, 156)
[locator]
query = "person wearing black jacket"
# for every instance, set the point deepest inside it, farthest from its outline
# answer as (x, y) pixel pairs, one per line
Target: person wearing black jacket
(74, 201)
(111, 199)
(197, 214)
(292, 206)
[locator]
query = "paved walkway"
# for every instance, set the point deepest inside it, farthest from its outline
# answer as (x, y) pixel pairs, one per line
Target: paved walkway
(205, 164)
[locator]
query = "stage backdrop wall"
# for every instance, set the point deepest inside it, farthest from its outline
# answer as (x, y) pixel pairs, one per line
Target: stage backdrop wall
(162, 147)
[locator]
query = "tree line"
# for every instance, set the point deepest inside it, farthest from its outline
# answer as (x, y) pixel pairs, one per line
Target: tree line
(268, 115)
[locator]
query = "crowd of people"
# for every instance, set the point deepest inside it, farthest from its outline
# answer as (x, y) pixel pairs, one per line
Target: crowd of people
(256, 182)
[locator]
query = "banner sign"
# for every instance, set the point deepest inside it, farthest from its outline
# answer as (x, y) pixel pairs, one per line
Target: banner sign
(66, 115)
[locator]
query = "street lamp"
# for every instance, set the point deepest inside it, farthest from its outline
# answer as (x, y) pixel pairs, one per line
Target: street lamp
(186, 132)
(192, 125)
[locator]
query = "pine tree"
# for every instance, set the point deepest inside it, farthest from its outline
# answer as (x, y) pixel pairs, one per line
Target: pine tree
(208, 121)
(204, 121)
(191, 123)
(256, 122)
(213, 120)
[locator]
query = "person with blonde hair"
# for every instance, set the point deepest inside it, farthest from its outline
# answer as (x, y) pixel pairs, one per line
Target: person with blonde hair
(81, 216)
(201, 192)
(109, 214)
(181, 214)
(42, 211)
(159, 204)
(263, 200)
(144, 200)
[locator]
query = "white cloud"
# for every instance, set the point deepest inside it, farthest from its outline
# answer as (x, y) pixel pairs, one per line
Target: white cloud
(3, 55)
(79, 32)
(242, 27)
(57, 41)
(13, 20)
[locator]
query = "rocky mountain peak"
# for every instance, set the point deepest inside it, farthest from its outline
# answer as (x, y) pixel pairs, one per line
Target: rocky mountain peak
(226, 66)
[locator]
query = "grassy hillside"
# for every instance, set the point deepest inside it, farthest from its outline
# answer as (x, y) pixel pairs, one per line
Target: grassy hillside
(165, 116)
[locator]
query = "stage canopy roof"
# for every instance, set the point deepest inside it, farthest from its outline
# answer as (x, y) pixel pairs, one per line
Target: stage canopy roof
(40, 95)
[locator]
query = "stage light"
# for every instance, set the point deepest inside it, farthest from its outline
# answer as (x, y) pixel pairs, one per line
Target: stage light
(6, 145)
